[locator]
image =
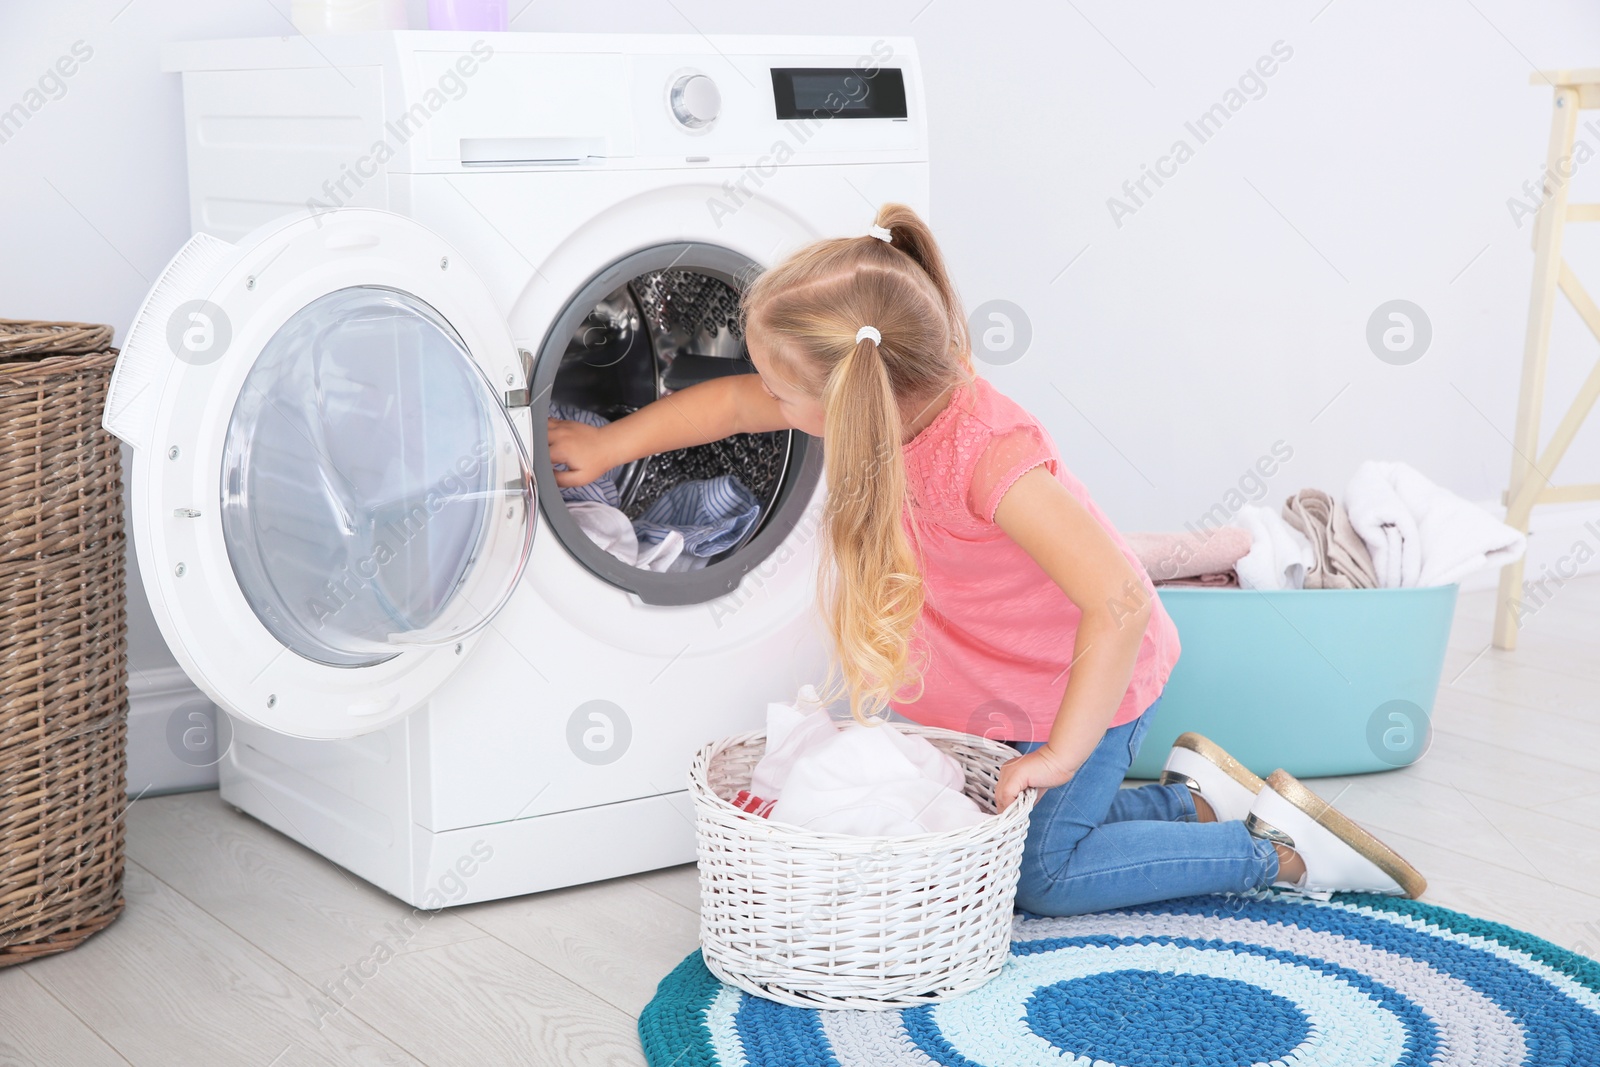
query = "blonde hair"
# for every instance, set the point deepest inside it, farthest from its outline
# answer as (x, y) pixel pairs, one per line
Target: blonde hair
(810, 308)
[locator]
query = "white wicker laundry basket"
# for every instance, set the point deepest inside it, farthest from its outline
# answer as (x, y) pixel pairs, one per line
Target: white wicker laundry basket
(821, 920)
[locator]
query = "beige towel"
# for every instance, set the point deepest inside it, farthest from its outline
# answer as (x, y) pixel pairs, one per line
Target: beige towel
(1342, 560)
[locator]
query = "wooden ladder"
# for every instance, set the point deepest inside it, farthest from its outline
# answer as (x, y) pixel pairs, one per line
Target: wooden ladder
(1575, 90)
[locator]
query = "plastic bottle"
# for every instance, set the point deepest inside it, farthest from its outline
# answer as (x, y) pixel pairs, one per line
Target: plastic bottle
(347, 16)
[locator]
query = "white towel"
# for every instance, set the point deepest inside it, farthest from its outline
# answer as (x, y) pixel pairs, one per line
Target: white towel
(1386, 524)
(870, 781)
(1420, 534)
(1279, 554)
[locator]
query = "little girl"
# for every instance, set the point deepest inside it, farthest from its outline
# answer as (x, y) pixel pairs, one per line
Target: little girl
(967, 576)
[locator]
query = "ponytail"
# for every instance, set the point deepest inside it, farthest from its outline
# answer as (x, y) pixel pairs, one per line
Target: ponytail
(811, 313)
(871, 585)
(911, 235)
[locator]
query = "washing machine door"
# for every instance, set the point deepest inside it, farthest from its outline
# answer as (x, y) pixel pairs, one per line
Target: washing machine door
(332, 499)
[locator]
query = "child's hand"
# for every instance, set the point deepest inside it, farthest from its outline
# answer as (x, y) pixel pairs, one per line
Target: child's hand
(581, 448)
(1042, 768)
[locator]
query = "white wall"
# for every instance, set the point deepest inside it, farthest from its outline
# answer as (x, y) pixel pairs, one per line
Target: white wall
(1227, 313)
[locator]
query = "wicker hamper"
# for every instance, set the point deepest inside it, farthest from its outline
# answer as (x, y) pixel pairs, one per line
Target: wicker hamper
(63, 669)
(823, 920)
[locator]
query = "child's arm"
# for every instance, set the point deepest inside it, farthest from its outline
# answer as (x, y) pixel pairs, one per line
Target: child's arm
(698, 415)
(1055, 529)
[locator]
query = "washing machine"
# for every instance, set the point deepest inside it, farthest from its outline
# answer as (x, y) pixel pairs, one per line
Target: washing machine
(409, 247)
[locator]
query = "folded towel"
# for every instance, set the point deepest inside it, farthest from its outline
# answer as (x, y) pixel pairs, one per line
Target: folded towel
(1341, 559)
(1386, 523)
(1215, 580)
(1279, 554)
(1187, 554)
(1420, 534)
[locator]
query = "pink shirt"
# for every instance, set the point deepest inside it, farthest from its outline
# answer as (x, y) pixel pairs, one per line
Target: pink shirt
(996, 633)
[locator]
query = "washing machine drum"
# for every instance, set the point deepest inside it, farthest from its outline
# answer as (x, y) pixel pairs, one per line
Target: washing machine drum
(656, 322)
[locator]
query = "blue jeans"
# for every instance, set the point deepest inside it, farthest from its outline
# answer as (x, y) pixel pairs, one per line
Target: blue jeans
(1092, 845)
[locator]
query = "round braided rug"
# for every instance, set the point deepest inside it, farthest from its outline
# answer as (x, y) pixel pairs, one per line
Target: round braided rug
(1218, 981)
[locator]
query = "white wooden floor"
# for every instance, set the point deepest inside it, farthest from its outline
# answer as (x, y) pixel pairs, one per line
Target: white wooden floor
(231, 930)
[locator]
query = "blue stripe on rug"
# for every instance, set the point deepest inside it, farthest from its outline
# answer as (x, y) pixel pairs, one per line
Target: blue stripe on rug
(773, 1033)
(1422, 1037)
(672, 1027)
(1549, 997)
(1546, 1014)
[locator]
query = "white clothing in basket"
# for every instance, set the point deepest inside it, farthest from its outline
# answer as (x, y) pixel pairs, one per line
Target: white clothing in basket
(1279, 554)
(870, 781)
(1421, 534)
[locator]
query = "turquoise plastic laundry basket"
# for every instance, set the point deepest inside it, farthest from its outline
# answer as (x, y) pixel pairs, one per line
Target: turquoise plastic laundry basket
(1316, 681)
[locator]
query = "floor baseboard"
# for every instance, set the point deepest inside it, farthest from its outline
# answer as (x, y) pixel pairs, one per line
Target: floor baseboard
(172, 734)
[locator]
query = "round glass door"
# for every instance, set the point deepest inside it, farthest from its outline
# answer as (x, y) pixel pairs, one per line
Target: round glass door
(375, 493)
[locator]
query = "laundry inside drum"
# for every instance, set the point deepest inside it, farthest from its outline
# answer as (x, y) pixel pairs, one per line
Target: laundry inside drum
(663, 331)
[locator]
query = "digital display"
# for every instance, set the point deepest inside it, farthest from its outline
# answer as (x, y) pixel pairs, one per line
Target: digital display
(842, 93)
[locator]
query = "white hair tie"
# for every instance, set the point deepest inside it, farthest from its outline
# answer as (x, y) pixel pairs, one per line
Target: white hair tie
(882, 233)
(869, 331)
